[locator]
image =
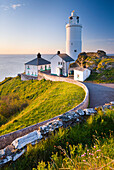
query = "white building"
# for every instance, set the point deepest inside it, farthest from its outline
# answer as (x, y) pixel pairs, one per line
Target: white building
(81, 74)
(38, 64)
(73, 36)
(60, 64)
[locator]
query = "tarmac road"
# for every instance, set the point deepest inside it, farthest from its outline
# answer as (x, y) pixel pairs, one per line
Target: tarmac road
(100, 93)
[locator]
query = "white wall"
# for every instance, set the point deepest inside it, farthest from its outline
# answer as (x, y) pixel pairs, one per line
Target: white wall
(73, 40)
(33, 70)
(83, 75)
(86, 74)
(54, 64)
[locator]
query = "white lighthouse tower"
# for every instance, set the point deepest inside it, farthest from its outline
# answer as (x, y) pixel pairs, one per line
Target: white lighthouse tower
(73, 36)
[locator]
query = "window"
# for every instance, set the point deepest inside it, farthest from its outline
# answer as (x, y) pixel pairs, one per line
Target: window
(61, 63)
(58, 63)
(77, 75)
(49, 66)
(75, 51)
(32, 73)
(28, 67)
(28, 72)
(41, 68)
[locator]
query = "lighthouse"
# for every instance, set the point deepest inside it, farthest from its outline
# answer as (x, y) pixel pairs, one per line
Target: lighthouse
(73, 36)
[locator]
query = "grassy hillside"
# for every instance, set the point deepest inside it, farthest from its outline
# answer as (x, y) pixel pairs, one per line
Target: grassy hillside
(89, 145)
(23, 103)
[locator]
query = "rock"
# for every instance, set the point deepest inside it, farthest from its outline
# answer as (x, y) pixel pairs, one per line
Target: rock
(90, 111)
(112, 103)
(103, 77)
(2, 152)
(81, 112)
(98, 71)
(109, 66)
(9, 150)
(24, 140)
(18, 155)
(101, 53)
(105, 107)
(5, 160)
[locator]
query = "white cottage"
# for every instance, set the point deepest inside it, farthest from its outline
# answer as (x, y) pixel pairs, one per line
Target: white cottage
(60, 64)
(38, 64)
(81, 74)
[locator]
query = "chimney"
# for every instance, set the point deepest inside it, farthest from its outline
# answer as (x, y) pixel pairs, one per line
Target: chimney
(38, 56)
(58, 52)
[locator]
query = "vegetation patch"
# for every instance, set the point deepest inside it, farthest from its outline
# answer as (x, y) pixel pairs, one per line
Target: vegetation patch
(24, 103)
(85, 146)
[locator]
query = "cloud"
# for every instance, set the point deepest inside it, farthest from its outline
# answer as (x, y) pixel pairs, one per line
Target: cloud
(4, 7)
(14, 6)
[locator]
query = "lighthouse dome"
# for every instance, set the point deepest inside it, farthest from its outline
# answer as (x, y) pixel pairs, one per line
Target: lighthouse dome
(73, 13)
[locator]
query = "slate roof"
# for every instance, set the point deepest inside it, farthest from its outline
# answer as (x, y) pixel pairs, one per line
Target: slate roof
(65, 57)
(80, 68)
(40, 61)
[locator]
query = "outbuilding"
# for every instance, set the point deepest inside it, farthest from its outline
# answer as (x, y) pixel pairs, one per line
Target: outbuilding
(81, 74)
(60, 64)
(38, 64)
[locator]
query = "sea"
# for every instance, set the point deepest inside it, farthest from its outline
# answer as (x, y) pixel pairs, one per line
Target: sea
(12, 65)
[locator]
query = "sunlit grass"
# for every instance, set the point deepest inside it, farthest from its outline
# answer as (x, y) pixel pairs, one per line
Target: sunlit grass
(45, 99)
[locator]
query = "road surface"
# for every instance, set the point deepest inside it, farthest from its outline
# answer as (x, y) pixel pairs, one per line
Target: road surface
(100, 93)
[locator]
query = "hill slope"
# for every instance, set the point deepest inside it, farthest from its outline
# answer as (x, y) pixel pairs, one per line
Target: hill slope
(101, 66)
(23, 103)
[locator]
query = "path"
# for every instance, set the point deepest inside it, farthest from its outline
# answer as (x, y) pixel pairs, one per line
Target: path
(100, 93)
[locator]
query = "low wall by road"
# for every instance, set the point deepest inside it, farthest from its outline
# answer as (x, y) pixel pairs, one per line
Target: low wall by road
(8, 138)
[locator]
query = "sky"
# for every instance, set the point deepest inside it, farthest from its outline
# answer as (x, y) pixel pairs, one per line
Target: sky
(32, 26)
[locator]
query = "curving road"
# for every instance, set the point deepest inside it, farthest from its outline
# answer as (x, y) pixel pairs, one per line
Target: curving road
(100, 93)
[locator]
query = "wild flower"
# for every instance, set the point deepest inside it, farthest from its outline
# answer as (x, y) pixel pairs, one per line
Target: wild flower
(82, 155)
(94, 146)
(98, 150)
(89, 153)
(84, 160)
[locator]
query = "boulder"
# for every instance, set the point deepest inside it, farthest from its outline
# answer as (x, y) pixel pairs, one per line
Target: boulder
(112, 103)
(9, 150)
(90, 111)
(24, 140)
(81, 112)
(2, 152)
(5, 160)
(18, 154)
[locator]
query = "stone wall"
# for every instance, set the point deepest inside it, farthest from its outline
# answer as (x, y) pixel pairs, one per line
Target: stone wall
(25, 77)
(8, 138)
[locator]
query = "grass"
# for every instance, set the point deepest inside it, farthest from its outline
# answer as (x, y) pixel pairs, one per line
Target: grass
(69, 148)
(98, 77)
(42, 100)
(105, 75)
